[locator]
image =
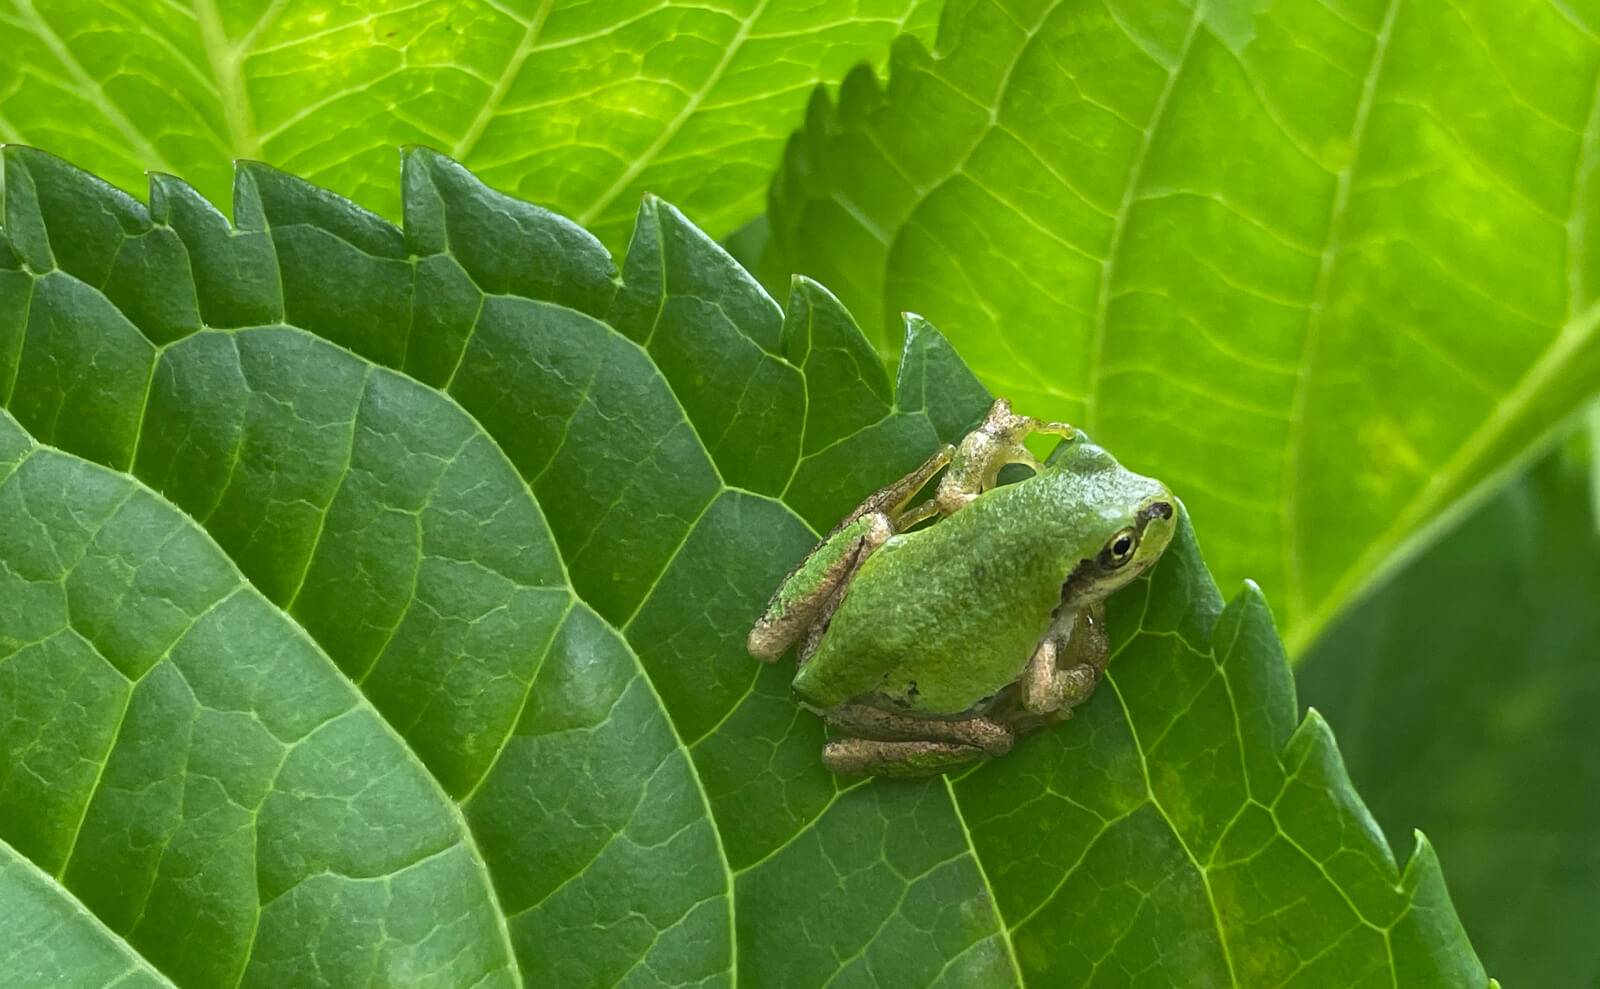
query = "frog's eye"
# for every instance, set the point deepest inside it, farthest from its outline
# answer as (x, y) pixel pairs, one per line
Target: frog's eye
(1119, 548)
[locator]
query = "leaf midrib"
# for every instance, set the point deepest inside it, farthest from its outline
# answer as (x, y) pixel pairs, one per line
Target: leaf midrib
(226, 58)
(1201, 872)
(988, 887)
(532, 28)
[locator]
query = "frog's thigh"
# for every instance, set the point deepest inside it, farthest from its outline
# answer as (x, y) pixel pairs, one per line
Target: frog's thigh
(873, 757)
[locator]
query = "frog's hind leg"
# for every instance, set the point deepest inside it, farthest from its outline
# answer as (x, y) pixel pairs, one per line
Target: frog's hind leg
(871, 757)
(803, 603)
(997, 441)
(800, 608)
(883, 743)
(892, 499)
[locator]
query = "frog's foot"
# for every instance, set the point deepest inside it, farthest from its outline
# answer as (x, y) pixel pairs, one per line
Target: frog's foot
(884, 743)
(873, 757)
(1045, 688)
(996, 441)
(1065, 690)
(1045, 685)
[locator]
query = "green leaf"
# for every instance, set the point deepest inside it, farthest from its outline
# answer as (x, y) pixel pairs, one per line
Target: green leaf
(1592, 457)
(1465, 691)
(373, 605)
(581, 106)
(1325, 268)
(48, 934)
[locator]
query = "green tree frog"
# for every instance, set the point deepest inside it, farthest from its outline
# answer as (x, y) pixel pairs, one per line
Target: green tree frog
(928, 649)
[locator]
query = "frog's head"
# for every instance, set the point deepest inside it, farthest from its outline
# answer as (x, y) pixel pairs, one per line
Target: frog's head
(1125, 520)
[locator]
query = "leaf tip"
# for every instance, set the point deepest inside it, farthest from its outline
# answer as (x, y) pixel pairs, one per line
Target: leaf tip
(1312, 754)
(164, 186)
(919, 334)
(421, 153)
(1430, 930)
(1422, 857)
(1314, 721)
(803, 290)
(907, 50)
(1250, 594)
(860, 91)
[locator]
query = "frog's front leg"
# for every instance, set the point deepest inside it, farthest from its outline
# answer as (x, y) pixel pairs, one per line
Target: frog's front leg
(997, 441)
(876, 742)
(803, 603)
(1067, 665)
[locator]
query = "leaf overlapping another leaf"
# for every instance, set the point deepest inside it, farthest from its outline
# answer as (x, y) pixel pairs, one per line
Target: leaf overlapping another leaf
(1327, 268)
(372, 606)
(1459, 691)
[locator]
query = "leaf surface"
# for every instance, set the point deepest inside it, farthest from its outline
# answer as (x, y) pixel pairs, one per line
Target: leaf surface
(1325, 268)
(1464, 690)
(373, 604)
(582, 106)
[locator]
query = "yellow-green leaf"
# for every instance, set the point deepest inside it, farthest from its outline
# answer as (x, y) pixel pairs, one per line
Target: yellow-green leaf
(578, 105)
(1326, 267)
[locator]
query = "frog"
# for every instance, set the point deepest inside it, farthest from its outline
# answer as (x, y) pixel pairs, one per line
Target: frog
(930, 635)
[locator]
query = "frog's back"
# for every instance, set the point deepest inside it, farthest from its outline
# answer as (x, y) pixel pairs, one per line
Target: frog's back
(938, 620)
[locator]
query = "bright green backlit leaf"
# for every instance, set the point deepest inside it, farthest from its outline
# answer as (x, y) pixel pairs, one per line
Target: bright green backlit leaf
(373, 604)
(579, 105)
(1324, 267)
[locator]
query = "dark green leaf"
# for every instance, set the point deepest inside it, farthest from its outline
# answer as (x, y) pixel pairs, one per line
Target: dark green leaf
(1324, 267)
(386, 624)
(1465, 691)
